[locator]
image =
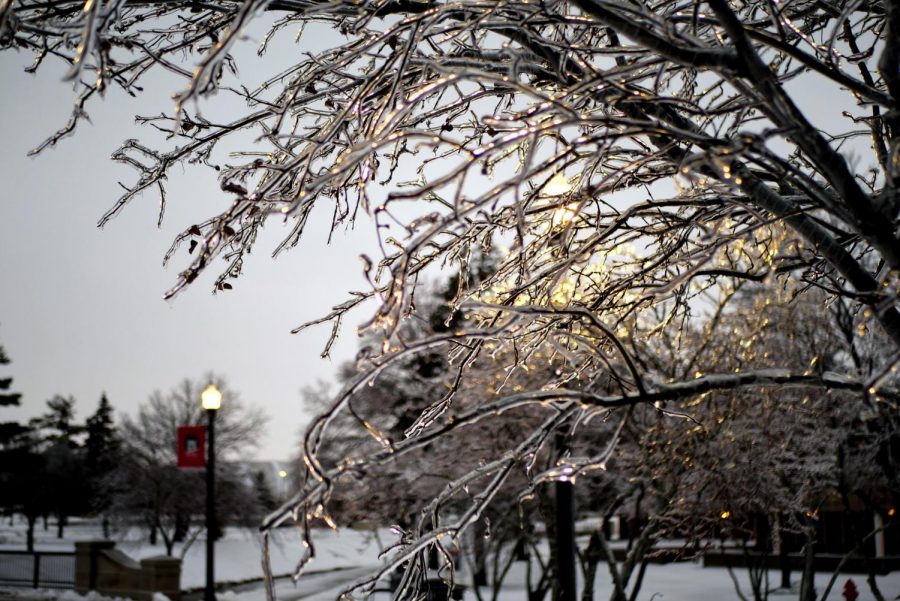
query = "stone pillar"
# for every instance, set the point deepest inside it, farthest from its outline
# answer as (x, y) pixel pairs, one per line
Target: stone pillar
(162, 574)
(87, 560)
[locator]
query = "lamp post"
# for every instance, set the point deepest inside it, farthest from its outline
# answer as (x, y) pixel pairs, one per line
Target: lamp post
(210, 400)
(565, 530)
(565, 539)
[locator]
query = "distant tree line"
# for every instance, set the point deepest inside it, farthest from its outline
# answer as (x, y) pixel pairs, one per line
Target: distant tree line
(125, 474)
(54, 466)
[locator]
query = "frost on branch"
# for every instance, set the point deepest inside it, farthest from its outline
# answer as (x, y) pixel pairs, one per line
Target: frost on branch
(643, 173)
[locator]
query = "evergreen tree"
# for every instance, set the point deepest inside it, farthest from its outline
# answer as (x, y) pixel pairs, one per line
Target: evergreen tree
(7, 398)
(102, 443)
(9, 431)
(58, 424)
(19, 466)
(102, 448)
(26, 487)
(65, 469)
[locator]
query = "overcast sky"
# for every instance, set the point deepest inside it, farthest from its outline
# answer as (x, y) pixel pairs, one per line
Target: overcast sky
(82, 309)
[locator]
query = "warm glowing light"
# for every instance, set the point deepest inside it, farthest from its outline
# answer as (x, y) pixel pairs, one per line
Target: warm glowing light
(725, 515)
(211, 398)
(564, 215)
(891, 512)
(557, 186)
(282, 474)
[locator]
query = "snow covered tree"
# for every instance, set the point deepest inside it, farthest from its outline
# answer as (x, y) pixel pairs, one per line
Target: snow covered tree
(758, 466)
(640, 160)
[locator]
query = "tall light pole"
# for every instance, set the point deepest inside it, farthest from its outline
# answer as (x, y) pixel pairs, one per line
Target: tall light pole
(565, 539)
(565, 531)
(210, 400)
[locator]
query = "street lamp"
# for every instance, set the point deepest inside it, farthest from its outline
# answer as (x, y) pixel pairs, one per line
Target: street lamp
(210, 400)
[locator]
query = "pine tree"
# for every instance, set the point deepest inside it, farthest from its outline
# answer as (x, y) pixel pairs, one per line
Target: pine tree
(9, 431)
(7, 398)
(58, 424)
(22, 477)
(102, 443)
(57, 433)
(102, 448)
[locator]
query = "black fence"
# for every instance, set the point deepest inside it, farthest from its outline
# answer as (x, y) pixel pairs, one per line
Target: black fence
(41, 569)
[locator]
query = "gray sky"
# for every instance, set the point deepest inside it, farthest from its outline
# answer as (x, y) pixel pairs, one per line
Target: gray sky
(81, 309)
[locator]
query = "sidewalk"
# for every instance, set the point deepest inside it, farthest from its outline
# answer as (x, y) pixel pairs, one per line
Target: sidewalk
(324, 585)
(250, 585)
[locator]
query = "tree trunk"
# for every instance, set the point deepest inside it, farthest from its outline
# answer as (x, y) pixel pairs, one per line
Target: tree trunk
(783, 562)
(479, 578)
(785, 565)
(548, 511)
(60, 524)
(592, 557)
(29, 535)
(807, 583)
(181, 528)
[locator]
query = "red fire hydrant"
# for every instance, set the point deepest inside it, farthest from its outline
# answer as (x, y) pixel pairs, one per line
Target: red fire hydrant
(850, 592)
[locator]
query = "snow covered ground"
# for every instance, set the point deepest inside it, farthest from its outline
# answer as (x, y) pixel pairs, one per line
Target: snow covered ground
(345, 556)
(238, 553)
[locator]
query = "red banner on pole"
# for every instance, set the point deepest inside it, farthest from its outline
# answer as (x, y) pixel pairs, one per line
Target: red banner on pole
(191, 446)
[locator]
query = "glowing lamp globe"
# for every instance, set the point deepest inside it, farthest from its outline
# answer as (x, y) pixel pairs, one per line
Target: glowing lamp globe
(211, 398)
